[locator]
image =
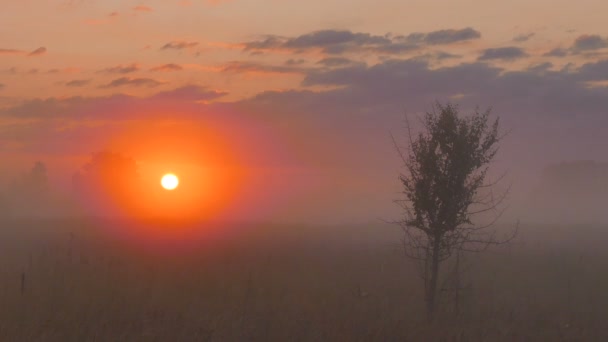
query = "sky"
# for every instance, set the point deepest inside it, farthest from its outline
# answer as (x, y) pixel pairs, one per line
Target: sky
(302, 97)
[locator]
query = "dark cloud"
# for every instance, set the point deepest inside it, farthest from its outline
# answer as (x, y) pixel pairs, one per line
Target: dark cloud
(334, 41)
(179, 45)
(446, 55)
(292, 61)
(38, 52)
(78, 83)
(589, 42)
(395, 83)
(168, 67)
(541, 67)
(396, 48)
(114, 14)
(503, 53)
(443, 36)
(122, 69)
(595, 71)
(342, 41)
(2, 86)
(252, 67)
(267, 42)
(136, 82)
(335, 61)
(523, 37)
(557, 52)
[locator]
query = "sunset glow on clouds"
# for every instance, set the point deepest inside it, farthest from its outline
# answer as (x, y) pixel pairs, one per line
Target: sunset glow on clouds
(302, 95)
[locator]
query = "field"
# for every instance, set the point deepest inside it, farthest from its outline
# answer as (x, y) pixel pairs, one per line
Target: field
(69, 280)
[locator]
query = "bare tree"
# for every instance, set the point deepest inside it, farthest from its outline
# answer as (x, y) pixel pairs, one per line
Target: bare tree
(444, 187)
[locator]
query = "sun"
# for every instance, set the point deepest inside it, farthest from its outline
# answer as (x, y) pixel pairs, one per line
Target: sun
(169, 181)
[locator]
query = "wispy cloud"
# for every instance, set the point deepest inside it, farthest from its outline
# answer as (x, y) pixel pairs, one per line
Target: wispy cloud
(258, 68)
(135, 82)
(523, 37)
(191, 93)
(122, 69)
(293, 61)
(557, 52)
(10, 52)
(39, 51)
(78, 83)
(334, 61)
(503, 53)
(142, 8)
(443, 36)
(179, 45)
(168, 67)
(68, 70)
(341, 41)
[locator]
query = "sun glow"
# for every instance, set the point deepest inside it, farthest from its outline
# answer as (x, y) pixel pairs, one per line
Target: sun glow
(169, 181)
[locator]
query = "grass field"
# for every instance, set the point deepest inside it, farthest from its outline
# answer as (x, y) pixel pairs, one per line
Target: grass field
(63, 280)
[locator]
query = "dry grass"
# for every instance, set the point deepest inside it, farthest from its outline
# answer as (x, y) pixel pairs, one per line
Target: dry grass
(272, 286)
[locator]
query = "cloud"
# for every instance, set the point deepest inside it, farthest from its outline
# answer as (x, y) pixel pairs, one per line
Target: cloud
(335, 61)
(179, 45)
(351, 119)
(523, 37)
(167, 67)
(142, 8)
(39, 51)
(557, 52)
(81, 108)
(595, 71)
(122, 69)
(78, 83)
(342, 41)
(10, 52)
(113, 14)
(293, 61)
(190, 93)
(503, 53)
(444, 36)
(541, 67)
(68, 70)
(253, 67)
(2, 86)
(588, 42)
(445, 55)
(136, 82)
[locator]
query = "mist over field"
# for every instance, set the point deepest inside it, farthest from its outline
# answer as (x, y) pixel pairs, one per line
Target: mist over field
(286, 130)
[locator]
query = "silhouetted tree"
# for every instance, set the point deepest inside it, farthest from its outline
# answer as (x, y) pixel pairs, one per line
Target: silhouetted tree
(108, 181)
(446, 168)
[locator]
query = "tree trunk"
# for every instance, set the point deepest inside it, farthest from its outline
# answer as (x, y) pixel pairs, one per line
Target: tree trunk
(432, 290)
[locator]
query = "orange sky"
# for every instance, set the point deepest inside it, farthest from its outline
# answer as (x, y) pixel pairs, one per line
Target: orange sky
(302, 95)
